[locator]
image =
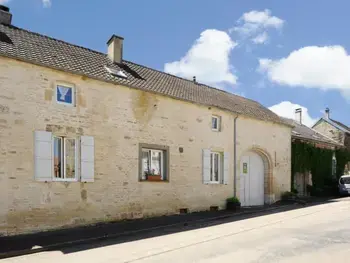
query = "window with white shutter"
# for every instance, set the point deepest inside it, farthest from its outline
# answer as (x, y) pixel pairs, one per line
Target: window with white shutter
(87, 163)
(215, 167)
(226, 173)
(43, 156)
(65, 156)
(206, 166)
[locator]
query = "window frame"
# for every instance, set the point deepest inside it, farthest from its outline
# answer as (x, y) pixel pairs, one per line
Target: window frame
(66, 85)
(220, 167)
(165, 167)
(217, 121)
(63, 156)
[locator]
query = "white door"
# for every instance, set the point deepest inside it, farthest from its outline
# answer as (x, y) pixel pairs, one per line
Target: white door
(252, 180)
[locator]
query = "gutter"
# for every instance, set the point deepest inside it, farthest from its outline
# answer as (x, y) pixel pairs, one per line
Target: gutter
(235, 156)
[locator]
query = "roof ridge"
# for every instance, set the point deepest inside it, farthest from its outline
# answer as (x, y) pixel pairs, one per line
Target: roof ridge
(55, 39)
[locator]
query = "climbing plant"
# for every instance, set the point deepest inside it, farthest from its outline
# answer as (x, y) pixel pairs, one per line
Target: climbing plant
(306, 157)
(343, 157)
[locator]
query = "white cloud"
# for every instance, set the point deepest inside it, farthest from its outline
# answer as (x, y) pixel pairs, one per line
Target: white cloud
(261, 39)
(254, 25)
(47, 3)
(208, 59)
(311, 67)
(287, 109)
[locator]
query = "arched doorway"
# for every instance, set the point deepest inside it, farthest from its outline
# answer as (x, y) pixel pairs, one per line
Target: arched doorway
(255, 178)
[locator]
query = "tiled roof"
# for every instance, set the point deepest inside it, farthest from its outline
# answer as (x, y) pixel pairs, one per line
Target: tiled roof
(341, 125)
(45, 51)
(303, 132)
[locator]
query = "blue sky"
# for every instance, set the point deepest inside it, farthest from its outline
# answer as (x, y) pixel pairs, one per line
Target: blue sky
(293, 52)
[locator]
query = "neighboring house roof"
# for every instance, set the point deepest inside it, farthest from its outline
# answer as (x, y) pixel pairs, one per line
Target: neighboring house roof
(48, 52)
(341, 125)
(334, 123)
(301, 131)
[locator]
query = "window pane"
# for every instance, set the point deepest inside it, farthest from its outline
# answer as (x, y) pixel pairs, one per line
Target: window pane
(58, 158)
(216, 167)
(156, 162)
(70, 158)
(145, 163)
(214, 122)
(64, 94)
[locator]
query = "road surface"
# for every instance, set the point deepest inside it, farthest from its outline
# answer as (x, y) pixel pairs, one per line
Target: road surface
(319, 233)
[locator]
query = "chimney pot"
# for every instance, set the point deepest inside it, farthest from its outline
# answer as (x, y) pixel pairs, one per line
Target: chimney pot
(298, 116)
(327, 113)
(115, 49)
(5, 15)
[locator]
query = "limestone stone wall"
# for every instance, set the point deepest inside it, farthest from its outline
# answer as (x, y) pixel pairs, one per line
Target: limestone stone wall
(119, 118)
(330, 131)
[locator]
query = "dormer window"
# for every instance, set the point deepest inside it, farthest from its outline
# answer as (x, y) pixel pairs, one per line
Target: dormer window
(65, 94)
(116, 72)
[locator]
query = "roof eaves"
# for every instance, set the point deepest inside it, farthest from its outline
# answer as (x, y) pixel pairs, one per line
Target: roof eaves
(317, 141)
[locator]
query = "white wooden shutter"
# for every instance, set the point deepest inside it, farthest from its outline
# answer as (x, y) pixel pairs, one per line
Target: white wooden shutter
(87, 156)
(206, 166)
(43, 163)
(226, 173)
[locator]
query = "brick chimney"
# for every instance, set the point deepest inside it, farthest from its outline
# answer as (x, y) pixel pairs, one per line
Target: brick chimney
(115, 49)
(5, 15)
(298, 116)
(327, 113)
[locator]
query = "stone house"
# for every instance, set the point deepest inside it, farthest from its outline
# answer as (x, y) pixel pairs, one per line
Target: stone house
(305, 134)
(89, 137)
(334, 129)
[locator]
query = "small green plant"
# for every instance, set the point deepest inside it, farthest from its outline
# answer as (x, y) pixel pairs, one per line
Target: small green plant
(234, 200)
(233, 204)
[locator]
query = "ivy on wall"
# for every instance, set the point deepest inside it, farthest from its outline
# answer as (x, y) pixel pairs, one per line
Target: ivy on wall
(343, 157)
(306, 157)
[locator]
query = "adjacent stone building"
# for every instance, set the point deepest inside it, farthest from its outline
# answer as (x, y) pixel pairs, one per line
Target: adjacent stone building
(305, 134)
(88, 137)
(336, 130)
(333, 129)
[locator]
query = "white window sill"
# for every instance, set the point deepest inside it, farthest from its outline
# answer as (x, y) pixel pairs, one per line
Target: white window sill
(65, 180)
(65, 104)
(214, 183)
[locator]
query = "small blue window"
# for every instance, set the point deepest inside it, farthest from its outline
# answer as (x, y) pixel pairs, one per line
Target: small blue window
(65, 94)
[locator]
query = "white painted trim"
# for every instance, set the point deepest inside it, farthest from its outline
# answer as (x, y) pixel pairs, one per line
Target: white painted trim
(67, 85)
(63, 150)
(212, 175)
(218, 123)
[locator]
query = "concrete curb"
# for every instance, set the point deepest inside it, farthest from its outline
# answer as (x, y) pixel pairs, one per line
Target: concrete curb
(17, 253)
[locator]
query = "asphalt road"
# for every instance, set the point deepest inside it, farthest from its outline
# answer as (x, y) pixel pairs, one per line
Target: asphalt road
(319, 233)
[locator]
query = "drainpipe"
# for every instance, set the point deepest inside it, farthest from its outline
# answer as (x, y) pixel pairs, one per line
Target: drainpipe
(235, 156)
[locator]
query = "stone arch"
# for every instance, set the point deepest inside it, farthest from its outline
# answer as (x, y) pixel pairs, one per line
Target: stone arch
(269, 196)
